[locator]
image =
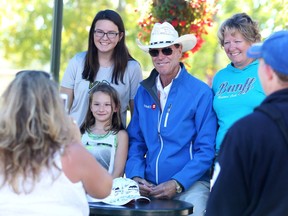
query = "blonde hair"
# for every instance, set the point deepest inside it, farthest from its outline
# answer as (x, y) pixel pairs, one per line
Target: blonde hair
(33, 128)
(243, 24)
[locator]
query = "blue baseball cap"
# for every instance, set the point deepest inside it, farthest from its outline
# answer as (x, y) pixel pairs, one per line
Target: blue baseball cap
(273, 50)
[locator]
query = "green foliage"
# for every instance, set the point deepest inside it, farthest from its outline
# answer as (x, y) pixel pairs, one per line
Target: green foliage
(187, 16)
(270, 14)
(26, 30)
(130, 18)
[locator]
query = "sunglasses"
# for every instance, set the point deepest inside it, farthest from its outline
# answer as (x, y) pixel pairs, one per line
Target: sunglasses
(155, 52)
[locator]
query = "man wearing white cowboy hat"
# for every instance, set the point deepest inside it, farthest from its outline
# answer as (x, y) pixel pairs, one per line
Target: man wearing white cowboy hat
(173, 128)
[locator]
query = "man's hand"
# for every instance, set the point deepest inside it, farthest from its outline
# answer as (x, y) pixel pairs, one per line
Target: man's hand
(165, 190)
(145, 187)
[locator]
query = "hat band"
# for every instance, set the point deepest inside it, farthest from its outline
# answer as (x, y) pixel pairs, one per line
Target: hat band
(161, 42)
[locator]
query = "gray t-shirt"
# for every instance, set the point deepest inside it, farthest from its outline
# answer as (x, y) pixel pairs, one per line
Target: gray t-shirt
(72, 79)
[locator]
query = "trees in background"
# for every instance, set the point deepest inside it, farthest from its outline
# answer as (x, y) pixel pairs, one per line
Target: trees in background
(270, 14)
(26, 30)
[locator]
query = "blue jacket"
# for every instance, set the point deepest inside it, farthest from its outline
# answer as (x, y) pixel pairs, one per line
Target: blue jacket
(178, 142)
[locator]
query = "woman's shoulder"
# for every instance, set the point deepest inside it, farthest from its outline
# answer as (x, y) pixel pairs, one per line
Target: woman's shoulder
(80, 56)
(76, 157)
(133, 63)
(133, 69)
(72, 159)
(224, 70)
(222, 74)
(74, 149)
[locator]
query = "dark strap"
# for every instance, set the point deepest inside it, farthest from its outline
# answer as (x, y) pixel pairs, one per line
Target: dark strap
(275, 114)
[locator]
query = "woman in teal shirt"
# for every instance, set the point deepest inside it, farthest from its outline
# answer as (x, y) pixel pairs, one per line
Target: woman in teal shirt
(237, 89)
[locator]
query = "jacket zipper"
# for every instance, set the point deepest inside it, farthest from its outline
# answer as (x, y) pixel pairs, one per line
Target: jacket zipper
(167, 115)
(161, 143)
(160, 138)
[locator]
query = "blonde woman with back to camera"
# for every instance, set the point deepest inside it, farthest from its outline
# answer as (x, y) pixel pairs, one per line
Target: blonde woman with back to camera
(41, 155)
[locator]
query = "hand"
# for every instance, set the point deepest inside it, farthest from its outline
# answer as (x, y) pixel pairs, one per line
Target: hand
(165, 190)
(145, 187)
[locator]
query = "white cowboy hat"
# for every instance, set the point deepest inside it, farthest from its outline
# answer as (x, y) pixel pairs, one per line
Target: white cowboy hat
(164, 35)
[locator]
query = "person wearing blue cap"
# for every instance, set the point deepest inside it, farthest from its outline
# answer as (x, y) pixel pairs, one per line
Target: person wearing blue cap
(251, 175)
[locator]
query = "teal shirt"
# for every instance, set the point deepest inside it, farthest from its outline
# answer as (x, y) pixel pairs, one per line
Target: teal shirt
(236, 93)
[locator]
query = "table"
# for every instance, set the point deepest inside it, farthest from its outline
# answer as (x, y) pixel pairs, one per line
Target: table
(155, 207)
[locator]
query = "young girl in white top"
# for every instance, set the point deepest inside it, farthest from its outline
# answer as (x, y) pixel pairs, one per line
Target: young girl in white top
(103, 133)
